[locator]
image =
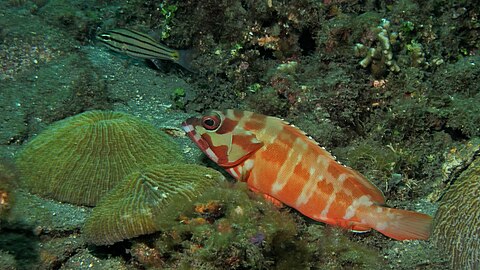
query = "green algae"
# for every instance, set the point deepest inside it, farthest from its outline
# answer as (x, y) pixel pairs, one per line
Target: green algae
(7, 260)
(378, 161)
(456, 97)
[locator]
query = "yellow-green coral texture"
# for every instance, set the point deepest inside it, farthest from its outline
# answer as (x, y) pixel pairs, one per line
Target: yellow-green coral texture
(81, 158)
(457, 222)
(138, 205)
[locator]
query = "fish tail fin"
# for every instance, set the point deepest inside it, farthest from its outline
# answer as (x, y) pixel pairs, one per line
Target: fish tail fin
(185, 58)
(401, 224)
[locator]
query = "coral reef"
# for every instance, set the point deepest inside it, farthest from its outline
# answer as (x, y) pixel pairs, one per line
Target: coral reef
(293, 59)
(138, 204)
(232, 228)
(24, 47)
(81, 158)
(457, 221)
(380, 56)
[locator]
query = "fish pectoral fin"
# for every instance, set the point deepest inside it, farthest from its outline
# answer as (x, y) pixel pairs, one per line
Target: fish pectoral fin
(157, 63)
(355, 226)
(239, 149)
(274, 201)
(359, 228)
(268, 198)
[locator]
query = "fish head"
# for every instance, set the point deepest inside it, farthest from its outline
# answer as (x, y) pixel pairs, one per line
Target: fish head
(219, 135)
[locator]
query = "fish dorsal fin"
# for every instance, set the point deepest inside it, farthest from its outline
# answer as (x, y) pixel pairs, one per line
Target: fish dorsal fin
(360, 182)
(368, 188)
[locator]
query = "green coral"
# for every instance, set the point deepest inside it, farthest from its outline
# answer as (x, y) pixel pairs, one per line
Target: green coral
(457, 221)
(138, 205)
(81, 158)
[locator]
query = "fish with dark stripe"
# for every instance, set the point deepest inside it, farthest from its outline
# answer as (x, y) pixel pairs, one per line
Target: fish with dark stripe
(140, 45)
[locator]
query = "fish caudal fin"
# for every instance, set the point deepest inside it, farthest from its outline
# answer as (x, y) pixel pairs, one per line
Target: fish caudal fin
(401, 224)
(185, 58)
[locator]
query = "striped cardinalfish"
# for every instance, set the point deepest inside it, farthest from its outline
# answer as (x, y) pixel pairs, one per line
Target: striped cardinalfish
(140, 45)
(287, 167)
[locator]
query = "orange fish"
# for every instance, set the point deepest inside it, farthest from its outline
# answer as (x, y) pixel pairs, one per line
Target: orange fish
(280, 161)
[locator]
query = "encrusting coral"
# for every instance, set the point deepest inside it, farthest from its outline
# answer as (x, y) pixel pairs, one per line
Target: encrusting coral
(81, 158)
(137, 206)
(457, 221)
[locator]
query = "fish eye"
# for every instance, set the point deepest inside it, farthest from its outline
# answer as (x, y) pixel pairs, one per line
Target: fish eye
(210, 122)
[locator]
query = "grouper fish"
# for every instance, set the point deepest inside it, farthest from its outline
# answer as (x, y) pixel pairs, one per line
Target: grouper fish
(288, 167)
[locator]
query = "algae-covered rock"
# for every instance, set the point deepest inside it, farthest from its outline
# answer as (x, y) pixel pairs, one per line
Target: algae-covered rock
(7, 261)
(457, 221)
(137, 206)
(81, 158)
(233, 228)
(8, 179)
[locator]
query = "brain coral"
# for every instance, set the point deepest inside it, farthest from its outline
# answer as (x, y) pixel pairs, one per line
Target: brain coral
(457, 221)
(81, 158)
(138, 205)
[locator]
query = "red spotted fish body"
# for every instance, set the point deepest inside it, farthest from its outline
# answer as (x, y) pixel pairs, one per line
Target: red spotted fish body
(280, 161)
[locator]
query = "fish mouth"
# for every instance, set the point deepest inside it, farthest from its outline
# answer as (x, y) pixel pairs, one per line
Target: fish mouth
(189, 127)
(190, 131)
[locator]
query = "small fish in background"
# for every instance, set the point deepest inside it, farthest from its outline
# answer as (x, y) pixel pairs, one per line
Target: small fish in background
(280, 161)
(140, 45)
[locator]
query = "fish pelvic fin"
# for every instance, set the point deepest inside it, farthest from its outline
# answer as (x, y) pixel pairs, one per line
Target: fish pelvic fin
(400, 224)
(268, 198)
